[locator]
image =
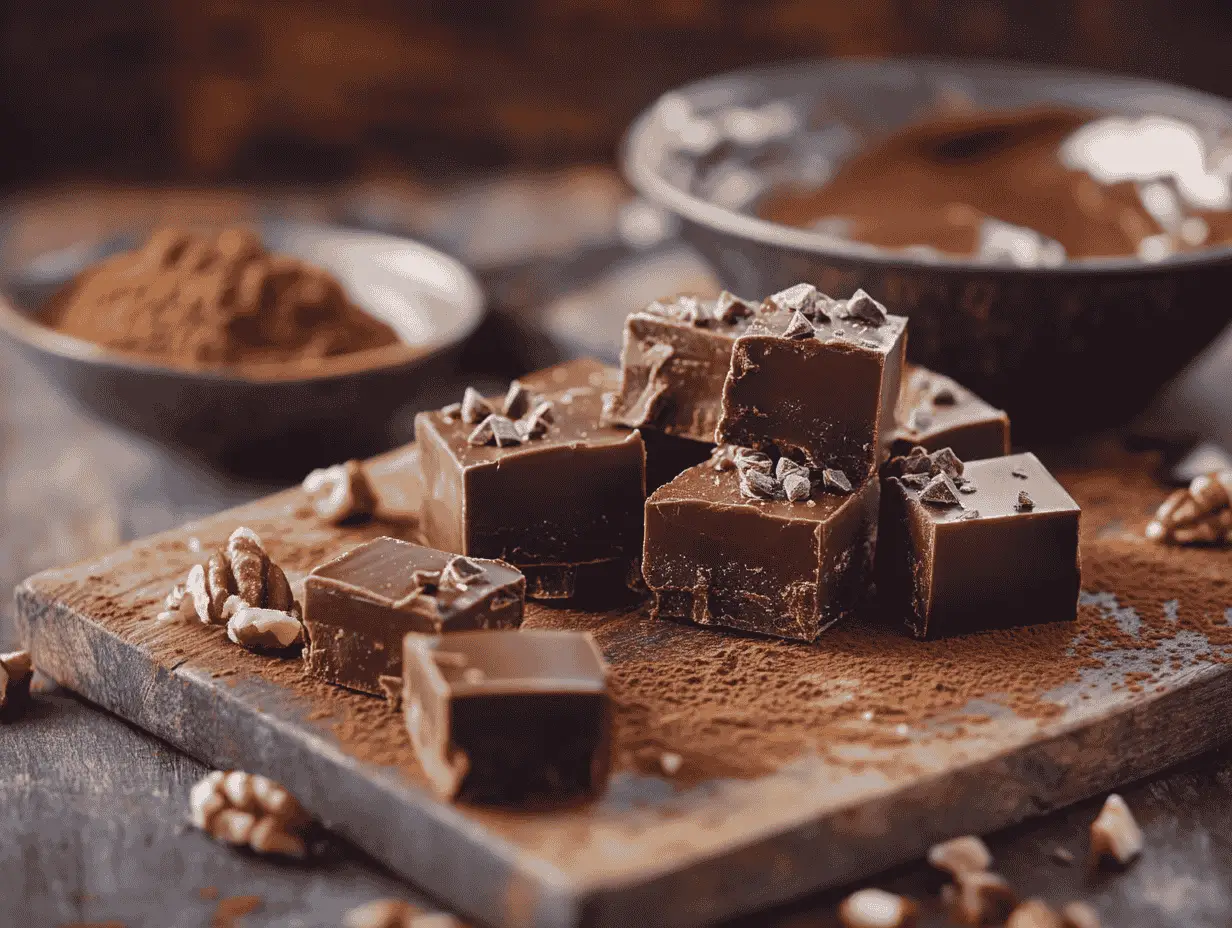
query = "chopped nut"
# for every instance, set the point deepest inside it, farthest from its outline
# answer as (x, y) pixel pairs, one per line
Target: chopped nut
(178, 606)
(977, 897)
(798, 327)
(474, 407)
(244, 809)
(728, 308)
(1115, 834)
(1034, 913)
(341, 493)
(1025, 502)
(835, 480)
(876, 908)
(1079, 915)
(16, 672)
(863, 308)
(460, 572)
(940, 492)
(1199, 515)
(959, 854)
(264, 629)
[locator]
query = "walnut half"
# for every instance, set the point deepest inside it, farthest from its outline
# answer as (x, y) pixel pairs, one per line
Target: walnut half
(341, 493)
(246, 809)
(240, 568)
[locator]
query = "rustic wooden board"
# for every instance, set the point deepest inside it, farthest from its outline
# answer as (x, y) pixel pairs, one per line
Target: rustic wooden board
(788, 781)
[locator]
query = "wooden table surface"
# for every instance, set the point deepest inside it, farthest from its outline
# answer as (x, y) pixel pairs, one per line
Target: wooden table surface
(92, 810)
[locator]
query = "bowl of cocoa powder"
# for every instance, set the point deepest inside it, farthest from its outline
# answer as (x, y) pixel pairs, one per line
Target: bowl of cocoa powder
(301, 336)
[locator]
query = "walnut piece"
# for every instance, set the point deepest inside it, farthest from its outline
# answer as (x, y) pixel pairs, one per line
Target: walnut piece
(341, 493)
(1034, 913)
(1115, 834)
(959, 854)
(245, 809)
(240, 568)
(177, 606)
(264, 629)
(1079, 915)
(1198, 515)
(977, 897)
(16, 672)
(876, 908)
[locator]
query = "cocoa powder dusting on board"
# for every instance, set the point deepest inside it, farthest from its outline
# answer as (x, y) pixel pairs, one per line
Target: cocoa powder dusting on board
(724, 705)
(204, 300)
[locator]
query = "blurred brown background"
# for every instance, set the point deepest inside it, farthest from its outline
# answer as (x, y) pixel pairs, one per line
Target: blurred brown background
(256, 90)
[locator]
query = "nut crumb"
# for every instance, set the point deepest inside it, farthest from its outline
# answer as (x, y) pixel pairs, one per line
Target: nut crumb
(977, 897)
(968, 852)
(1115, 834)
(876, 908)
(341, 493)
(1034, 913)
(264, 629)
(246, 809)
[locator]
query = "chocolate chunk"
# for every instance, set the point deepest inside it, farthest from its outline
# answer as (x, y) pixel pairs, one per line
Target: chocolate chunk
(756, 485)
(748, 459)
(1025, 503)
(915, 481)
(946, 462)
(798, 327)
(936, 412)
(474, 407)
(358, 607)
(691, 310)
(508, 717)
(917, 462)
(571, 499)
(777, 567)
(786, 466)
(495, 430)
(951, 571)
(517, 401)
(797, 487)
(537, 421)
(940, 492)
(967, 487)
(835, 480)
(728, 308)
(802, 298)
(863, 308)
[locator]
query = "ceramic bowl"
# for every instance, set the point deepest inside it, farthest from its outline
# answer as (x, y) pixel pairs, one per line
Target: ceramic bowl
(340, 404)
(1064, 348)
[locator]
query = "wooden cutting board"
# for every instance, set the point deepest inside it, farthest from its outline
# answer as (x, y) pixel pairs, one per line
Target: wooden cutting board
(747, 771)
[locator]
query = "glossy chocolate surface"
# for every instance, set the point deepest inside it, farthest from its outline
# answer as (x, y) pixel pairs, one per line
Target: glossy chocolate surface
(358, 607)
(994, 559)
(508, 716)
(827, 398)
(935, 412)
(714, 556)
(568, 500)
(673, 363)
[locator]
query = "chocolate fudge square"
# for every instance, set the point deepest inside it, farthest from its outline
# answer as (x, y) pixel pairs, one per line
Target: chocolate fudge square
(358, 607)
(508, 716)
(718, 553)
(553, 494)
(935, 412)
(673, 363)
(818, 384)
(995, 547)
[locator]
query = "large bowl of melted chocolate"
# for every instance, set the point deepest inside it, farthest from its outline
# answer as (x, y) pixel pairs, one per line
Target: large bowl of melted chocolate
(1062, 241)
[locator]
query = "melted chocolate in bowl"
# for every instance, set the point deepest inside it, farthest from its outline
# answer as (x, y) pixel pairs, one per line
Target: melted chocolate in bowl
(1031, 186)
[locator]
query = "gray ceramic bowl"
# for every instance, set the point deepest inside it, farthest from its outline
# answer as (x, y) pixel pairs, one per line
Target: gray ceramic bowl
(1065, 348)
(343, 404)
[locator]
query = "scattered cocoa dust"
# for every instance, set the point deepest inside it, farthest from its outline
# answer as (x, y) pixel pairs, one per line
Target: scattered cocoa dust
(193, 299)
(739, 706)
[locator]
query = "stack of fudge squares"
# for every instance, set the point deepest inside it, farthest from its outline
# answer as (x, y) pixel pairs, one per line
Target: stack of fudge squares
(763, 467)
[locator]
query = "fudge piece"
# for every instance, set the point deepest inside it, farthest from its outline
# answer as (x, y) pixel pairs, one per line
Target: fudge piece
(988, 544)
(507, 716)
(552, 493)
(673, 363)
(358, 607)
(748, 543)
(935, 412)
(817, 378)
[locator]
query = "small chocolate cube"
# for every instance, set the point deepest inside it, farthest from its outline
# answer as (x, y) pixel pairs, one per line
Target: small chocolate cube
(358, 607)
(1002, 551)
(741, 544)
(564, 495)
(508, 716)
(673, 363)
(819, 386)
(935, 412)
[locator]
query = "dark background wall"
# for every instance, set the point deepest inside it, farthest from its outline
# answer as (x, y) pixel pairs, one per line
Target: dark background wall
(317, 89)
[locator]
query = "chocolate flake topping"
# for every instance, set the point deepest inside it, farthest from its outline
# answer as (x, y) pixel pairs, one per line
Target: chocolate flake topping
(835, 480)
(728, 308)
(940, 492)
(1025, 502)
(967, 487)
(945, 461)
(748, 459)
(1019, 473)
(474, 407)
(461, 572)
(786, 467)
(495, 430)
(802, 298)
(917, 462)
(451, 412)
(863, 308)
(914, 481)
(798, 327)
(517, 401)
(536, 422)
(796, 486)
(756, 485)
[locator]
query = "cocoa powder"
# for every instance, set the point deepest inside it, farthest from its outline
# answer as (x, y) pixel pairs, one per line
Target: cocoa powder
(192, 299)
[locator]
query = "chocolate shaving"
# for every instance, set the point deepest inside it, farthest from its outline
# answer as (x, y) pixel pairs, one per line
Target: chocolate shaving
(946, 462)
(536, 422)
(786, 467)
(729, 308)
(835, 480)
(748, 459)
(797, 487)
(798, 327)
(1025, 502)
(451, 412)
(914, 481)
(517, 401)
(940, 492)
(461, 572)
(495, 430)
(474, 407)
(802, 298)
(756, 485)
(863, 308)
